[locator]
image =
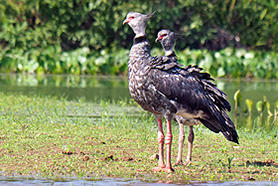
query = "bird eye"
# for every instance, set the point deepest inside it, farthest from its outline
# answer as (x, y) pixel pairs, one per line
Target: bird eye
(162, 36)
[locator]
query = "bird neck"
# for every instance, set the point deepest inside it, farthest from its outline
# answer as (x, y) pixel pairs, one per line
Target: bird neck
(139, 52)
(139, 29)
(140, 34)
(169, 49)
(170, 53)
(140, 39)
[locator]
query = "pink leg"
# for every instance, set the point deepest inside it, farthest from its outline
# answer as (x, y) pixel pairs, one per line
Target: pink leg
(190, 145)
(168, 142)
(181, 140)
(161, 164)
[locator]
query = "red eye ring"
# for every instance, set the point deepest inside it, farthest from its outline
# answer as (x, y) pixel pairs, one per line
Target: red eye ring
(162, 36)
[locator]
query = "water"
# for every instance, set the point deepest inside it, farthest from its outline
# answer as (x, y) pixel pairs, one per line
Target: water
(72, 87)
(118, 182)
(107, 87)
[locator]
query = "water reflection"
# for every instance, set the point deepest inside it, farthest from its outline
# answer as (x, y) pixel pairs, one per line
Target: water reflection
(113, 182)
(257, 123)
(72, 87)
(115, 87)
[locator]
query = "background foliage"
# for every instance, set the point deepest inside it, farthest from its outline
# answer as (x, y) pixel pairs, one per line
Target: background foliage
(81, 36)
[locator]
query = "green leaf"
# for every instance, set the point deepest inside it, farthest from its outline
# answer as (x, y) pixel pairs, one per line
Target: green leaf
(249, 104)
(267, 106)
(261, 106)
(237, 97)
(263, 13)
(221, 72)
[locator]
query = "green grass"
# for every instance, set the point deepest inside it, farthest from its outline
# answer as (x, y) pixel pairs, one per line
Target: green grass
(53, 137)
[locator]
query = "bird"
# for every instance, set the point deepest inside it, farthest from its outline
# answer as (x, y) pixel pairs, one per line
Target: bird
(167, 39)
(166, 89)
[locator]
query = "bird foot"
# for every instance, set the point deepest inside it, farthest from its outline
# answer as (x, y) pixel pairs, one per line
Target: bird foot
(178, 163)
(159, 168)
(168, 169)
(187, 162)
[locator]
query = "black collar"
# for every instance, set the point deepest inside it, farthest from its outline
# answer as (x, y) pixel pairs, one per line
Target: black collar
(173, 54)
(139, 39)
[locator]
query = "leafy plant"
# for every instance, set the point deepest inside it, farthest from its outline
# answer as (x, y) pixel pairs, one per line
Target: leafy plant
(87, 37)
(267, 106)
(249, 104)
(237, 99)
(261, 106)
(98, 24)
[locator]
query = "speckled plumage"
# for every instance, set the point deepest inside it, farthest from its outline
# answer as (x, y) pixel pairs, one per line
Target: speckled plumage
(162, 87)
(201, 91)
(167, 40)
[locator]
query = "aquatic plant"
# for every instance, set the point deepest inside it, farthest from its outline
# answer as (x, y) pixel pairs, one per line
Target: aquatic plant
(261, 105)
(237, 99)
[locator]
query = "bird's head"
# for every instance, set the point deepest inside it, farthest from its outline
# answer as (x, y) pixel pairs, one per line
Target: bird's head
(167, 40)
(137, 22)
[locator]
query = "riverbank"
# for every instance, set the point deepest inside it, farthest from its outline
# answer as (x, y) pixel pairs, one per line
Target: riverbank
(53, 137)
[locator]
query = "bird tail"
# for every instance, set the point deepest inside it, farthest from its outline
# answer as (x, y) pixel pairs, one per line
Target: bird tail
(222, 123)
(217, 119)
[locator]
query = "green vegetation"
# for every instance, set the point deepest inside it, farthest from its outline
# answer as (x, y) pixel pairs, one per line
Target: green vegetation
(56, 61)
(54, 137)
(87, 37)
(249, 119)
(232, 63)
(261, 105)
(98, 24)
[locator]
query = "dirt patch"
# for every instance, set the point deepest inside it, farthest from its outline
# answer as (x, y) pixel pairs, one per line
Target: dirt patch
(86, 158)
(126, 159)
(108, 158)
(154, 157)
(249, 178)
(67, 152)
(263, 163)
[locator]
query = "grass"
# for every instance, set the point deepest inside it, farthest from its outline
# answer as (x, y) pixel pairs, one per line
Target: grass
(54, 137)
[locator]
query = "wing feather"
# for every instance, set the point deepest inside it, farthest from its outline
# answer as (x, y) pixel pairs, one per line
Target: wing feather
(195, 91)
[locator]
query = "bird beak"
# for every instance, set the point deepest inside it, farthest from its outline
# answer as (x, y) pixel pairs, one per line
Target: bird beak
(125, 21)
(157, 39)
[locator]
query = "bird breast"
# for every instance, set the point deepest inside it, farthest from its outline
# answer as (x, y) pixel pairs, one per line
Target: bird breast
(141, 83)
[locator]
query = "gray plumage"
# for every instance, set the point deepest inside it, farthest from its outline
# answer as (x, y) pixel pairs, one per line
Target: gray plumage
(167, 40)
(162, 87)
(216, 99)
